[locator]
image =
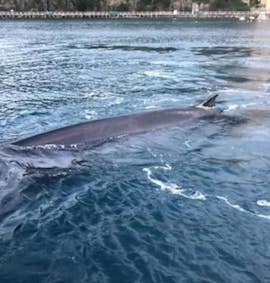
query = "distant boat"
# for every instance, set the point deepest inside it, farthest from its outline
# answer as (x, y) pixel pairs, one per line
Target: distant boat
(242, 18)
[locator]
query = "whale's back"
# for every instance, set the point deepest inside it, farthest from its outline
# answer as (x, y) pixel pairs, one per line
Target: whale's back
(94, 132)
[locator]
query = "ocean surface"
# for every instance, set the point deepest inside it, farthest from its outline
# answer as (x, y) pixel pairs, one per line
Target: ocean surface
(182, 204)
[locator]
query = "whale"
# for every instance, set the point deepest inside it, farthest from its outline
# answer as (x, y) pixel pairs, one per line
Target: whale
(94, 133)
(99, 131)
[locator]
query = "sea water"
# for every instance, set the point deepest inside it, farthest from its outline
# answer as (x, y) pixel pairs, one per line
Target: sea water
(189, 204)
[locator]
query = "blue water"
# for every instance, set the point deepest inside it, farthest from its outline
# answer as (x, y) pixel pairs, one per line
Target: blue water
(185, 204)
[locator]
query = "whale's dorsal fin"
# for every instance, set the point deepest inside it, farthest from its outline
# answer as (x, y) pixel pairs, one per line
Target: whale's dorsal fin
(210, 102)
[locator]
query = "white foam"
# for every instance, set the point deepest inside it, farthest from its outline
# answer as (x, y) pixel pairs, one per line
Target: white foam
(263, 216)
(171, 187)
(228, 91)
(158, 74)
(232, 107)
(236, 206)
(195, 195)
(263, 202)
(239, 208)
(48, 146)
(151, 107)
(98, 95)
(152, 73)
(118, 100)
(166, 167)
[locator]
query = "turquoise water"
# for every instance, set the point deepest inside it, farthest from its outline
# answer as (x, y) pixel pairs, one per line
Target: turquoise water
(185, 204)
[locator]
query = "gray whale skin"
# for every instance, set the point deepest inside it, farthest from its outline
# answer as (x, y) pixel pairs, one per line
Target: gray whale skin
(99, 131)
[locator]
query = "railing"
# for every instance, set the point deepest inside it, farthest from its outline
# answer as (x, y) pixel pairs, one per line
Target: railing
(124, 15)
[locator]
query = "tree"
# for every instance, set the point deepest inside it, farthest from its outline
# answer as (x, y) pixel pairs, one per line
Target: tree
(84, 5)
(225, 4)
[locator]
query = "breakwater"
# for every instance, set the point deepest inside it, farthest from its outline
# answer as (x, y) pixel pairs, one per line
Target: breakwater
(125, 15)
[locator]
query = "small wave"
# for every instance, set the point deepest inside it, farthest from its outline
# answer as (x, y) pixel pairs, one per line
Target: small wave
(171, 187)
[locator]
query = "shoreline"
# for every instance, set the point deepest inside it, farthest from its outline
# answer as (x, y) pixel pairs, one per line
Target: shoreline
(132, 15)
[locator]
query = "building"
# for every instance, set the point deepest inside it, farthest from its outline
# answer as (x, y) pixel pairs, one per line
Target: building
(266, 4)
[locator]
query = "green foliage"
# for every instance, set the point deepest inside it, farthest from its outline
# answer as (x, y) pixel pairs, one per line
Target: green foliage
(123, 7)
(228, 5)
(86, 5)
(153, 5)
(237, 5)
(81, 5)
(145, 5)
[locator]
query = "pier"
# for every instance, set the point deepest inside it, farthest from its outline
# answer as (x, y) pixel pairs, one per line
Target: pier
(127, 15)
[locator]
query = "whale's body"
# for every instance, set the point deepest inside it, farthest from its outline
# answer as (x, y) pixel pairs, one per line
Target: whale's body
(98, 131)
